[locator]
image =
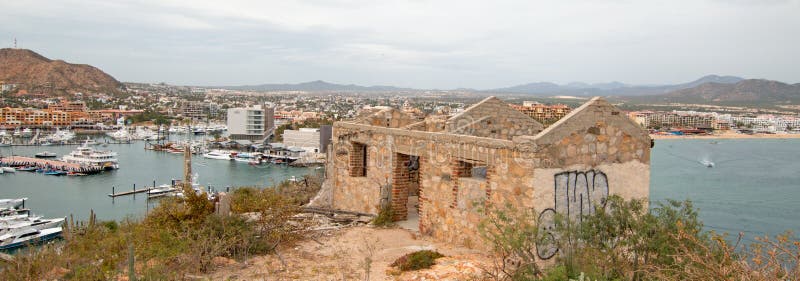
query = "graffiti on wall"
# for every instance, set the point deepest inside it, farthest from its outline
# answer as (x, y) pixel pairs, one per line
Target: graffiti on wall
(576, 195)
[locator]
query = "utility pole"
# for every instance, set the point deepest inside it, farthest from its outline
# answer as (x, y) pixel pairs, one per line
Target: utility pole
(187, 169)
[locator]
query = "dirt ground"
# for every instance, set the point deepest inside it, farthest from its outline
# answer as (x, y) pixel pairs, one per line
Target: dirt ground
(357, 253)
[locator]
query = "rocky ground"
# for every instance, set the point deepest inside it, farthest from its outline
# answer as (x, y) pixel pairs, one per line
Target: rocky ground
(355, 253)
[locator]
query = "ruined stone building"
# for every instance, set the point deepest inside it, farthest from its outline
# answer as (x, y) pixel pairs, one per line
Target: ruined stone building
(445, 171)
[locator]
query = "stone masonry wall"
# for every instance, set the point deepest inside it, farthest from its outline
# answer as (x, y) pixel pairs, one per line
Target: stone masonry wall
(569, 168)
(493, 118)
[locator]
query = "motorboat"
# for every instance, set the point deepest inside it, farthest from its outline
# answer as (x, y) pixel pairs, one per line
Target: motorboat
(8, 169)
(26, 133)
(24, 236)
(120, 135)
(85, 155)
(219, 155)
(26, 169)
(161, 189)
(707, 163)
(37, 223)
(45, 154)
(89, 141)
(248, 157)
(12, 203)
(60, 136)
(17, 217)
(55, 173)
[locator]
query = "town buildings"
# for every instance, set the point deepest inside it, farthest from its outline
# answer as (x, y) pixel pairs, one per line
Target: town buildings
(311, 139)
(254, 123)
(541, 112)
(444, 172)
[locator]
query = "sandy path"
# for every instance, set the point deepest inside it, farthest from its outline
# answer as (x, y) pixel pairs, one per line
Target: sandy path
(343, 256)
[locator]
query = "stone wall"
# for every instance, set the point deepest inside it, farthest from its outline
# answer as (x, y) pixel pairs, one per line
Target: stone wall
(567, 169)
(494, 119)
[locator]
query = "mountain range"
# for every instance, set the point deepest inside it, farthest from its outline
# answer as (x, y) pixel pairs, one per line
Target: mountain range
(33, 72)
(537, 88)
(313, 86)
(745, 92)
(606, 89)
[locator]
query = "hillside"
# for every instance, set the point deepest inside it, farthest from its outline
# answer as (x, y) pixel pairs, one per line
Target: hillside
(745, 92)
(36, 73)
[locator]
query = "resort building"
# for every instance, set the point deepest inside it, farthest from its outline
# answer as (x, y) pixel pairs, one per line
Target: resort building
(441, 174)
(41, 118)
(255, 123)
(542, 112)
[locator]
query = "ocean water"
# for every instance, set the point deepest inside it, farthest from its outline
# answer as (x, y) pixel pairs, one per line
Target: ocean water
(753, 188)
(60, 196)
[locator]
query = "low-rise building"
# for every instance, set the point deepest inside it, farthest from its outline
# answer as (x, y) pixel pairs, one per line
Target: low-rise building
(444, 179)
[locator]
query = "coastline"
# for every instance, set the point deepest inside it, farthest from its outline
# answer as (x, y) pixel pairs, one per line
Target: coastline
(727, 135)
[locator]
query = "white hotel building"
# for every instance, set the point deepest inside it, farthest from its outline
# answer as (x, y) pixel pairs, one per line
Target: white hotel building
(251, 123)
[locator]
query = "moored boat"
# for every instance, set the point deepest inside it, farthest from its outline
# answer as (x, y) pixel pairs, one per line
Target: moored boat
(26, 169)
(8, 169)
(45, 154)
(12, 203)
(24, 236)
(85, 155)
(219, 155)
(36, 223)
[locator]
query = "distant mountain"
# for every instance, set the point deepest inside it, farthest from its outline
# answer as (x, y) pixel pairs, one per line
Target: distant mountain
(36, 73)
(608, 89)
(315, 86)
(744, 92)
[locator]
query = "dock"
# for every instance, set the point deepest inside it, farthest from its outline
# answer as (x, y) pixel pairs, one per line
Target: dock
(130, 192)
(16, 161)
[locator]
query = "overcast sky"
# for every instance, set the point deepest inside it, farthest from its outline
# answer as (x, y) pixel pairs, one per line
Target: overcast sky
(422, 44)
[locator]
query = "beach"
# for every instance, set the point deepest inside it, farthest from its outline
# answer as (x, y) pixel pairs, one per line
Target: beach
(727, 135)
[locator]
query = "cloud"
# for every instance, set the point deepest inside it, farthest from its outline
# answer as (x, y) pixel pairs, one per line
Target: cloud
(438, 44)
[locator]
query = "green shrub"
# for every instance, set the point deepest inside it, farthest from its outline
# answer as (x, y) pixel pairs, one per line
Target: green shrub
(417, 260)
(385, 217)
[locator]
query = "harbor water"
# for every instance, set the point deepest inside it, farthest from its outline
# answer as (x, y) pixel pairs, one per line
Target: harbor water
(753, 187)
(59, 196)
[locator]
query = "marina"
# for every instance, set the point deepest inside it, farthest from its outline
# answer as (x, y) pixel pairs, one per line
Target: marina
(77, 195)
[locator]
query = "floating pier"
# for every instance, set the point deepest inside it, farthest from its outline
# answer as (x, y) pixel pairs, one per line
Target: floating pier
(16, 161)
(130, 192)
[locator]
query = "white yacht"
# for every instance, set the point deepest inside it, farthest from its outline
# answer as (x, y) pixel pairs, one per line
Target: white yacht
(20, 237)
(12, 203)
(161, 190)
(86, 155)
(120, 135)
(60, 136)
(219, 155)
(37, 223)
(26, 133)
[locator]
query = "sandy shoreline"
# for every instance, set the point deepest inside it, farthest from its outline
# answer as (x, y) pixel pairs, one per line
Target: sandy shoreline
(728, 135)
